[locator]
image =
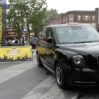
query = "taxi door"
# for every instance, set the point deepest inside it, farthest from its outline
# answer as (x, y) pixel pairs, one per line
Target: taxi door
(50, 48)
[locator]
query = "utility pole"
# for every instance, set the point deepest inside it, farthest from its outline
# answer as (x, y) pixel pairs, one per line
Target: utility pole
(3, 5)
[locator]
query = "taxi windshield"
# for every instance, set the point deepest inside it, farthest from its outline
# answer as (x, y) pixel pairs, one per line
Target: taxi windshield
(74, 34)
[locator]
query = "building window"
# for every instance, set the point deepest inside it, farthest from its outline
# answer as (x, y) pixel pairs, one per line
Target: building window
(86, 18)
(71, 18)
(93, 18)
(65, 19)
(79, 17)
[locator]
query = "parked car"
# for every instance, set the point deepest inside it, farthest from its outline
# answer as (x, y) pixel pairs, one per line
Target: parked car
(71, 52)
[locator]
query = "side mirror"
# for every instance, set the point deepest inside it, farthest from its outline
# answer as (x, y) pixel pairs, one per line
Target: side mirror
(49, 40)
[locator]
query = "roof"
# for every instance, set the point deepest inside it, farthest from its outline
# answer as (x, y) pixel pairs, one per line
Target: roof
(79, 11)
(68, 24)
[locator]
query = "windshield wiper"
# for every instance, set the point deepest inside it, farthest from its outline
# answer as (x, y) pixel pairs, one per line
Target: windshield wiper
(87, 41)
(80, 42)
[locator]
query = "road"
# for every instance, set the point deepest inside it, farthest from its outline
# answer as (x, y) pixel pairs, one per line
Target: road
(24, 80)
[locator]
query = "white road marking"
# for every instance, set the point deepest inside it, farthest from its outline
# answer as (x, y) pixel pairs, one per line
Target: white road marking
(10, 72)
(40, 89)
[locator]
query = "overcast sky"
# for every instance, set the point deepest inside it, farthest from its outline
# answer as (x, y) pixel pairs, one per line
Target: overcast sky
(66, 5)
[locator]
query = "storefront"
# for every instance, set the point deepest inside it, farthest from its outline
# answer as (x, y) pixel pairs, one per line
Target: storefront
(12, 37)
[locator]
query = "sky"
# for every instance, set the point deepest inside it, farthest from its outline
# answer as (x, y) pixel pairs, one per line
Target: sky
(63, 6)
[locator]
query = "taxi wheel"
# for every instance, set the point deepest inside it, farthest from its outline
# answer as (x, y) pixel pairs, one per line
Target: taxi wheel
(39, 63)
(60, 77)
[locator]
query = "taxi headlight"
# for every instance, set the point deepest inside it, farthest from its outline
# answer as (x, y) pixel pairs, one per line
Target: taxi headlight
(77, 59)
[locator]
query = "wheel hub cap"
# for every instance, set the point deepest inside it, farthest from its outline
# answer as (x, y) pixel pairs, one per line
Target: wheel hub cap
(58, 75)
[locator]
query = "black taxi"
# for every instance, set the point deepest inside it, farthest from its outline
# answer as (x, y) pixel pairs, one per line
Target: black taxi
(71, 52)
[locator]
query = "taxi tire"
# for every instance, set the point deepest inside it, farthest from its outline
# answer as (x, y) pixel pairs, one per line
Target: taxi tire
(63, 83)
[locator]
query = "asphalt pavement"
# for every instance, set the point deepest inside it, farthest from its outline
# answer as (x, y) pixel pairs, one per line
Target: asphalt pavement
(25, 80)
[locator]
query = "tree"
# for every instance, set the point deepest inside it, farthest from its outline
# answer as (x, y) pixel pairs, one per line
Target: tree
(23, 14)
(51, 14)
(16, 16)
(38, 15)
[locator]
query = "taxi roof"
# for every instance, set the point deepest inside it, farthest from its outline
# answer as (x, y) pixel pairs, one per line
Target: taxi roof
(68, 24)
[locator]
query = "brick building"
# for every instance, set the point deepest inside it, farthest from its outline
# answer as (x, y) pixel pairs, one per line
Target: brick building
(57, 20)
(91, 17)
